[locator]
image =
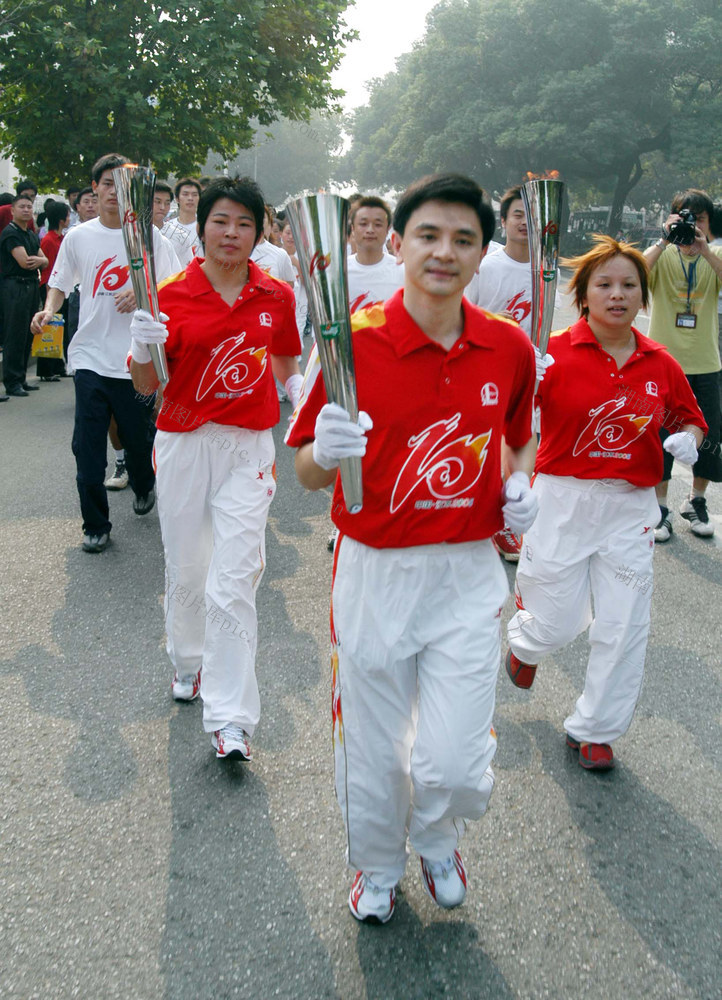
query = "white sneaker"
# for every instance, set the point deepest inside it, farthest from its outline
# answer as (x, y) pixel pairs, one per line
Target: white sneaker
(663, 531)
(232, 742)
(119, 479)
(369, 902)
(695, 511)
(186, 688)
(445, 881)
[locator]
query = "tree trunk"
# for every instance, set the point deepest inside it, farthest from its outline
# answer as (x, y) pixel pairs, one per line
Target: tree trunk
(629, 174)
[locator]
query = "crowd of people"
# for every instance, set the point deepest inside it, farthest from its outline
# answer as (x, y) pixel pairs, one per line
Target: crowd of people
(448, 384)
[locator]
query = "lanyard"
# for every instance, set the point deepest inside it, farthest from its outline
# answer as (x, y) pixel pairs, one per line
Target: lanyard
(690, 275)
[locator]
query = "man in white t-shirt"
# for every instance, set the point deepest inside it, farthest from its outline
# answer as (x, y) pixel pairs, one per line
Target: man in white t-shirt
(94, 256)
(276, 262)
(502, 285)
(272, 259)
(503, 282)
(162, 197)
(303, 321)
(373, 274)
(183, 230)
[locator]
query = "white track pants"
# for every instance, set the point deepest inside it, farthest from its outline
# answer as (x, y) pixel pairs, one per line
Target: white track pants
(592, 540)
(215, 486)
(416, 657)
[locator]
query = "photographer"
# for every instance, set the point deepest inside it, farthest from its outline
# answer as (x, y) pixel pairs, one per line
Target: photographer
(685, 280)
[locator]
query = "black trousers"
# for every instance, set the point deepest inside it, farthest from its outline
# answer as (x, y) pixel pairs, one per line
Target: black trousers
(709, 464)
(96, 398)
(21, 298)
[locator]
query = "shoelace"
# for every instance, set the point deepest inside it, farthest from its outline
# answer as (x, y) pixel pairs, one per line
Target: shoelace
(234, 732)
(441, 868)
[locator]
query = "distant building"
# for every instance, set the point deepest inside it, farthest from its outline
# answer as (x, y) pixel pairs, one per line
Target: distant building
(8, 175)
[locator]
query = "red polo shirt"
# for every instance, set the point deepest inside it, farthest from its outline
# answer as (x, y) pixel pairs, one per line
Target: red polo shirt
(601, 422)
(50, 245)
(432, 469)
(219, 356)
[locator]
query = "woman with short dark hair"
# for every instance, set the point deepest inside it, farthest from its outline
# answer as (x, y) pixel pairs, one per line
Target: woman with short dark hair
(603, 402)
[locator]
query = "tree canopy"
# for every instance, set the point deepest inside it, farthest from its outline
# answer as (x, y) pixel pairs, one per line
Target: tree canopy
(289, 157)
(500, 87)
(160, 83)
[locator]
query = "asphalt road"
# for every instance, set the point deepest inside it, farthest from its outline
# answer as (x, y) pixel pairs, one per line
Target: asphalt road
(135, 865)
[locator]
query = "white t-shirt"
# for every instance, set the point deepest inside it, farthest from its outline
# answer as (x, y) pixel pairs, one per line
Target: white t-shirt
(274, 261)
(503, 285)
(172, 255)
(372, 283)
(94, 256)
(185, 239)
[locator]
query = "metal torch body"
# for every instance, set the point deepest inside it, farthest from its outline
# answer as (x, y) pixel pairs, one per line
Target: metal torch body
(319, 225)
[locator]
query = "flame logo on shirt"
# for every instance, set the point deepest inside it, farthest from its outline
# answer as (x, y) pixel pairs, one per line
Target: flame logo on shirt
(610, 429)
(360, 302)
(519, 307)
(319, 262)
(447, 467)
(111, 278)
(237, 369)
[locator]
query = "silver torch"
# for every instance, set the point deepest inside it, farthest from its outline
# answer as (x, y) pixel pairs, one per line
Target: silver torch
(319, 226)
(543, 204)
(135, 187)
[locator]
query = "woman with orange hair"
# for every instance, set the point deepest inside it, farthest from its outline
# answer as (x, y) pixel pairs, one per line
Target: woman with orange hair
(603, 402)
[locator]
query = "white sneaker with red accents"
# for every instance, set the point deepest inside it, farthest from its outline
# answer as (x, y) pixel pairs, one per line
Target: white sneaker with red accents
(187, 687)
(369, 902)
(445, 881)
(507, 544)
(232, 742)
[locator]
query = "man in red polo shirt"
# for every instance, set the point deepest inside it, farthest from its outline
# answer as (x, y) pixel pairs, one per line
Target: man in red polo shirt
(418, 587)
(229, 328)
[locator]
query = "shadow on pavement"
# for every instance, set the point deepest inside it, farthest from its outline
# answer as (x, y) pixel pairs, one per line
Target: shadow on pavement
(110, 669)
(406, 961)
(657, 869)
(235, 920)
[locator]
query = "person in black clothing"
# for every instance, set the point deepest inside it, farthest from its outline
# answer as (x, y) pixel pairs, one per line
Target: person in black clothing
(21, 260)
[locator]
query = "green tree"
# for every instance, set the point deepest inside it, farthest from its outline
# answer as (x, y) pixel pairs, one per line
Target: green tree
(589, 88)
(160, 83)
(288, 157)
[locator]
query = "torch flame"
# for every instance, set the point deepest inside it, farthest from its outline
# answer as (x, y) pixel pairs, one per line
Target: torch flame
(549, 175)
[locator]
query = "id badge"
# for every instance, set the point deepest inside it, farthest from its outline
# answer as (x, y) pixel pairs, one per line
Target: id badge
(686, 321)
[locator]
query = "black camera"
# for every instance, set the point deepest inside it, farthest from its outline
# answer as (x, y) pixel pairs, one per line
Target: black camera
(682, 233)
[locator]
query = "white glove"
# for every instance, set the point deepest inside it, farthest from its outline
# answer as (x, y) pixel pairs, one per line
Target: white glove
(521, 505)
(542, 363)
(682, 446)
(145, 330)
(292, 386)
(336, 437)
(536, 420)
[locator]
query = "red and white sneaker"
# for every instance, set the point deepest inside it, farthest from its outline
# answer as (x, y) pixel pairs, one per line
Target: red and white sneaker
(593, 756)
(507, 544)
(232, 742)
(186, 688)
(521, 674)
(445, 881)
(369, 902)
